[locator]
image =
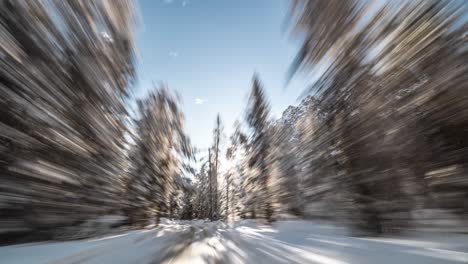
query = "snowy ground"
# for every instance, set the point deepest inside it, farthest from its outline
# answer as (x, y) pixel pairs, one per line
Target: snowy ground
(243, 242)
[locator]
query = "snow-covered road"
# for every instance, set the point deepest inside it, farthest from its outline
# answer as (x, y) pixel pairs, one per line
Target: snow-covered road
(201, 242)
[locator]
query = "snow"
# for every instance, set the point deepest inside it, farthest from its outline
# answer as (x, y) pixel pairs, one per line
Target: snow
(292, 241)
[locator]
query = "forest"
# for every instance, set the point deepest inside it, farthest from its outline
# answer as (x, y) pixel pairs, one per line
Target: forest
(378, 143)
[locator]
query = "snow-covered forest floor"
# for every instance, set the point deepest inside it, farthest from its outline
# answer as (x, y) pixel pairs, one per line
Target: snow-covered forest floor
(243, 242)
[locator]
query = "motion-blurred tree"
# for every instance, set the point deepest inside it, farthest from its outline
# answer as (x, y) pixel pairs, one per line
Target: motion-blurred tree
(65, 69)
(259, 148)
(395, 75)
(157, 167)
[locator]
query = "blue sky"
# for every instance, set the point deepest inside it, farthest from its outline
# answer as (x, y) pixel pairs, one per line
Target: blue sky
(208, 50)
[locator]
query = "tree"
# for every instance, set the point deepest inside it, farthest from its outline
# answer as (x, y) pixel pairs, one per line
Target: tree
(214, 172)
(202, 201)
(62, 106)
(257, 119)
(234, 175)
(160, 148)
(389, 77)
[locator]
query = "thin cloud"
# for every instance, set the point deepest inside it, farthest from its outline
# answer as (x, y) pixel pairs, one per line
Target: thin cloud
(173, 54)
(200, 101)
(168, 1)
(184, 3)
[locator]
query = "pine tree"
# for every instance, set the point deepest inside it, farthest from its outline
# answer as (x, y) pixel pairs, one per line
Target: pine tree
(160, 148)
(234, 175)
(257, 118)
(63, 118)
(390, 83)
